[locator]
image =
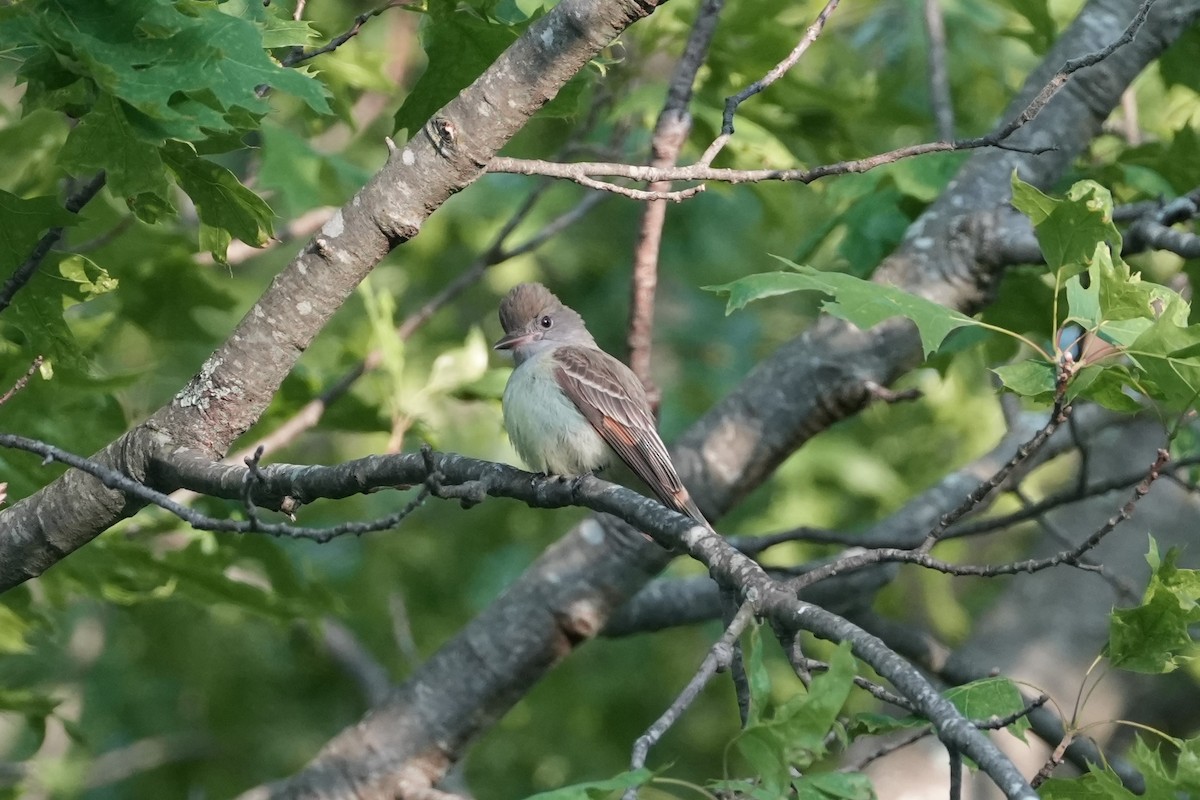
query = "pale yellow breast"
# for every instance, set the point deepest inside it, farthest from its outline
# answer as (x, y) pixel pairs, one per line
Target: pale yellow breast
(546, 429)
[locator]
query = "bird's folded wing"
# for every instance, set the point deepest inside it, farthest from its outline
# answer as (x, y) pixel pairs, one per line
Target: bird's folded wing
(612, 399)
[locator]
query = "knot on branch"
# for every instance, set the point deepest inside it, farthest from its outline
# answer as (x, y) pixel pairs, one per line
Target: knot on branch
(468, 493)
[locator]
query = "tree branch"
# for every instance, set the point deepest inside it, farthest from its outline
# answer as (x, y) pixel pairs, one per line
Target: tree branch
(23, 273)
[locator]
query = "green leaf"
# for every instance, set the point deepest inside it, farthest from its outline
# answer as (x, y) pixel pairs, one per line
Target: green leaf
(763, 747)
(184, 72)
(1070, 229)
(128, 574)
(274, 22)
(226, 208)
(1183, 155)
(757, 677)
(598, 789)
(1077, 228)
(1162, 782)
(860, 302)
(982, 700)
(1124, 296)
(27, 146)
(875, 225)
(1028, 378)
(1175, 377)
(806, 723)
(872, 724)
(296, 177)
(106, 140)
(1095, 785)
(22, 223)
(794, 735)
(1031, 201)
(1105, 385)
(13, 631)
(91, 279)
(1037, 14)
(1178, 63)
(38, 314)
(836, 785)
(460, 44)
(990, 698)
(1154, 637)
(1187, 766)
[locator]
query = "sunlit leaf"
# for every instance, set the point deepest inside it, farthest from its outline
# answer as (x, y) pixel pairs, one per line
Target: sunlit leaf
(860, 302)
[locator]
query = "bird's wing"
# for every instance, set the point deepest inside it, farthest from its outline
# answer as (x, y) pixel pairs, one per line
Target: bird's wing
(613, 400)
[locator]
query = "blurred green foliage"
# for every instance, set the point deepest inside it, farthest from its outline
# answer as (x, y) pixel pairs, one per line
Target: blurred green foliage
(156, 631)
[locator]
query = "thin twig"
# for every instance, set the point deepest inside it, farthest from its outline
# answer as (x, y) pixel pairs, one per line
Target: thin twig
(776, 72)
(887, 748)
(956, 766)
(1053, 761)
(1073, 495)
(23, 273)
(1071, 557)
(914, 736)
(807, 666)
(1122, 587)
(22, 381)
(585, 173)
(1058, 415)
(113, 479)
(718, 658)
(299, 55)
(1073, 65)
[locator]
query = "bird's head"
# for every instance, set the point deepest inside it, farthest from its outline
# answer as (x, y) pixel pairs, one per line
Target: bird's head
(535, 320)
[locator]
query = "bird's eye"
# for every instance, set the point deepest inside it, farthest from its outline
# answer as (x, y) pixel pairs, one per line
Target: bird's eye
(546, 322)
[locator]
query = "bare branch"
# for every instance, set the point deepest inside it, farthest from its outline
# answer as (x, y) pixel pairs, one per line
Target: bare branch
(23, 273)
(113, 479)
(22, 381)
(1058, 415)
(719, 658)
(299, 55)
(776, 72)
(1073, 495)
(586, 172)
(1071, 557)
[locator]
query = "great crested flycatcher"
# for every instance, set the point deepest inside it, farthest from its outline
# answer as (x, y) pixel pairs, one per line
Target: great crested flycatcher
(569, 406)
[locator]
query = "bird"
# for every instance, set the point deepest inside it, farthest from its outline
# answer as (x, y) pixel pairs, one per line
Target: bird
(570, 408)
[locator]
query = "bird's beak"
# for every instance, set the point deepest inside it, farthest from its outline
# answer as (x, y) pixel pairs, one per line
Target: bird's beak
(511, 340)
